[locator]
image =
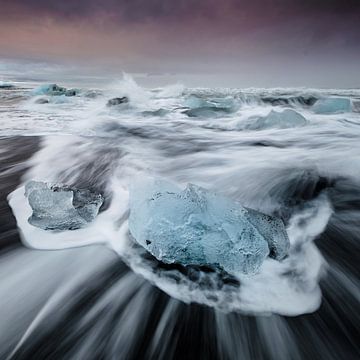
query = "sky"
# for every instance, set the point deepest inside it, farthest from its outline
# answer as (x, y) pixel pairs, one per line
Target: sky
(235, 43)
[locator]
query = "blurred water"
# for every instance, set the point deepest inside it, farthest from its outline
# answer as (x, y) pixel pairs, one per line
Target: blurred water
(103, 301)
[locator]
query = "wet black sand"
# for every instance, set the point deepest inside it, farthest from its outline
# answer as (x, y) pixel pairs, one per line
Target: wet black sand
(330, 333)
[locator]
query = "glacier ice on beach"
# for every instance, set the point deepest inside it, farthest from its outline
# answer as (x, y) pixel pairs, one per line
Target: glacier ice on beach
(278, 120)
(54, 90)
(59, 207)
(195, 226)
(273, 231)
(49, 89)
(195, 102)
(212, 107)
(118, 101)
(332, 105)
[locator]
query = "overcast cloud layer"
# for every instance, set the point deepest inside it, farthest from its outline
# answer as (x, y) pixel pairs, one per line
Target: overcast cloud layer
(259, 43)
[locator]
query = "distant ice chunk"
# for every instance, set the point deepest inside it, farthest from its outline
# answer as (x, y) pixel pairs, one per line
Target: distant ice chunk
(211, 107)
(6, 85)
(72, 92)
(332, 105)
(59, 207)
(49, 89)
(195, 102)
(278, 120)
(55, 90)
(197, 227)
(206, 112)
(118, 101)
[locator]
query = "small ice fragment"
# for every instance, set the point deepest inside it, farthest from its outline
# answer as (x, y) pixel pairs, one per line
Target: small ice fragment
(59, 207)
(273, 230)
(212, 107)
(117, 101)
(49, 89)
(6, 85)
(72, 92)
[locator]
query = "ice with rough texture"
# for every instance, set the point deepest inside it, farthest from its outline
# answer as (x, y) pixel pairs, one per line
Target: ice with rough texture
(199, 107)
(49, 89)
(59, 207)
(278, 120)
(118, 101)
(332, 105)
(272, 229)
(197, 227)
(71, 92)
(54, 90)
(6, 85)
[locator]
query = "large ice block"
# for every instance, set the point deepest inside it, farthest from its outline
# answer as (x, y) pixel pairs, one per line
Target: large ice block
(195, 226)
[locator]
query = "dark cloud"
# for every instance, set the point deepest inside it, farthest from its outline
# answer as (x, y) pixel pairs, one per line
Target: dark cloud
(318, 19)
(180, 10)
(277, 39)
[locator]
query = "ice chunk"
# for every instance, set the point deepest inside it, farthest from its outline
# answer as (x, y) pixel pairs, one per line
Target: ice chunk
(197, 227)
(273, 230)
(212, 107)
(72, 92)
(278, 120)
(42, 101)
(59, 207)
(118, 101)
(49, 89)
(6, 85)
(332, 105)
(206, 112)
(195, 102)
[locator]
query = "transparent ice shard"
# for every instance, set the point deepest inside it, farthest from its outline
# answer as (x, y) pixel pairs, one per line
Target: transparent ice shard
(54, 90)
(278, 120)
(197, 227)
(332, 105)
(59, 207)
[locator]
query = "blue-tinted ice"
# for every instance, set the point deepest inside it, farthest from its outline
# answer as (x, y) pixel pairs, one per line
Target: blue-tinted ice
(200, 107)
(59, 207)
(198, 227)
(332, 105)
(54, 90)
(278, 120)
